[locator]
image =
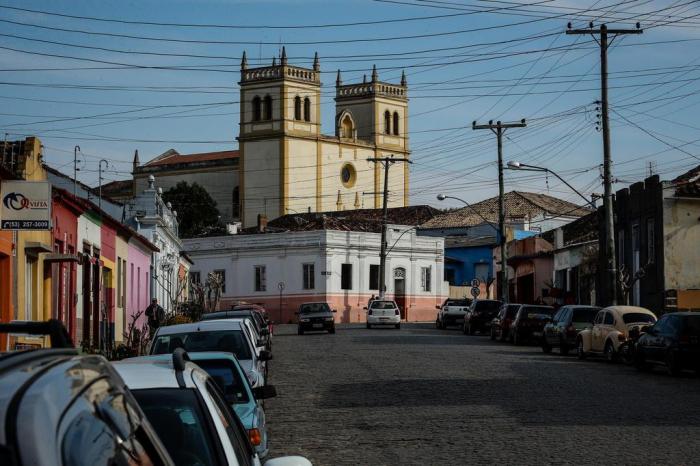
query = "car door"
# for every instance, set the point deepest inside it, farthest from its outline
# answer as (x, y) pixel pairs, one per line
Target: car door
(551, 328)
(596, 331)
(653, 340)
(605, 329)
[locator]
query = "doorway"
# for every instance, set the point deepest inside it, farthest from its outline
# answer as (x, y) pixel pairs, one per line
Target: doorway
(400, 290)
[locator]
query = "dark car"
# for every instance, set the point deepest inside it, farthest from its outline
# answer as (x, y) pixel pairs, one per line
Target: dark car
(315, 316)
(500, 325)
(529, 323)
(674, 341)
(479, 316)
(58, 407)
(259, 322)
(561, 332)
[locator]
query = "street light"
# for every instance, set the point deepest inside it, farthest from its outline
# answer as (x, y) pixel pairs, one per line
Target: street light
(442, 197)
(512, 165)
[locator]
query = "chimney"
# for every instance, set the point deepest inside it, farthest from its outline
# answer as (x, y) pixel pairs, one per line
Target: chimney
(262, 223)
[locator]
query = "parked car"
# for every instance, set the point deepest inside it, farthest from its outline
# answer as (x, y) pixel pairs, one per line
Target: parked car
(230, 335)
(500, 325)
(529, 323)
(246, 402)
(562, 331)
(190, 413)
(610, 329)
(314, 317)
(261, 324)
(479, 316)
(61, 408)
(383, 312)
(674, 341)
(452, 312)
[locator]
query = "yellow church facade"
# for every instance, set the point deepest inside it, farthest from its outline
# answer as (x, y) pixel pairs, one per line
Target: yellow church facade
(287, 165)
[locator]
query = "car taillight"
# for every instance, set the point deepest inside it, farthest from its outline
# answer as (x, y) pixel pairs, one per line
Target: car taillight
(396, 311)
(255, 437)
(369, 312)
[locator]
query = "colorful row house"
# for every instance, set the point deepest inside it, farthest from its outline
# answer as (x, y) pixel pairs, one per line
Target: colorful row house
(89, 270)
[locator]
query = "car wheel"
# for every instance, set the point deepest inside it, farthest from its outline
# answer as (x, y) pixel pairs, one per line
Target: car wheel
(464, 328)
(493, 334)
(502, 336)
(517, 339)
(563, 347)
(672, 365)
(398, 325)
(609, 352)
(580, 353)
(546, 347)
(331, 330)
(300, 331)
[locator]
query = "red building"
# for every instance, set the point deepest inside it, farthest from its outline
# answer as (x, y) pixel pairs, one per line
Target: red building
(64, 260)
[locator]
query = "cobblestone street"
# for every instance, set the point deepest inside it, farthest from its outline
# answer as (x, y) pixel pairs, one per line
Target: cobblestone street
(424, 396)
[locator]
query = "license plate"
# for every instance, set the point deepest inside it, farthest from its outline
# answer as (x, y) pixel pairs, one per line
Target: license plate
(459, 321)
(318, 325)
(384, 318)
(536, 334)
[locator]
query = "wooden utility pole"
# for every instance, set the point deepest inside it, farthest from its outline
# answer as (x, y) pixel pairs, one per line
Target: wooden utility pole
(499, 129)
(386, 162)
(602, 40)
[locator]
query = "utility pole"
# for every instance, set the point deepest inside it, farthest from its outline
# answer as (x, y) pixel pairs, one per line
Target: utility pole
(603, 42)
(100, 176)
(76, 149)
(499, 129)
(386, 162)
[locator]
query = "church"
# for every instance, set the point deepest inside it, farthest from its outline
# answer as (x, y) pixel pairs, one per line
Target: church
(284, 163)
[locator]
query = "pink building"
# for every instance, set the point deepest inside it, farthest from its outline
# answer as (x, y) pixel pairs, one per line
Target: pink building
(138, 275)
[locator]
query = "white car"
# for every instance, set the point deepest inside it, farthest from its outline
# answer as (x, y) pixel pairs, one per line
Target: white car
(189, 413)
(452, 312)
(383, 312)
(231, 335)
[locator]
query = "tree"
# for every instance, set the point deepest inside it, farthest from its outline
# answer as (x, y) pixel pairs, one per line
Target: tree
(196, 210)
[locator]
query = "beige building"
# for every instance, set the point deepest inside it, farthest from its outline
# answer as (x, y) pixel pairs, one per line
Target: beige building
(284, 163)
(287, 165)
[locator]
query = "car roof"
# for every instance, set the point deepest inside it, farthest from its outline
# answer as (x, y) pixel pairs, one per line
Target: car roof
(581, 306)
(683, 313)
(153, 372)
(204, 325)
(628, 309)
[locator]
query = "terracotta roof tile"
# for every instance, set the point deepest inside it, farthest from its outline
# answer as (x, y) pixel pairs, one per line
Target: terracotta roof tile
(172, 157)
(518, 204)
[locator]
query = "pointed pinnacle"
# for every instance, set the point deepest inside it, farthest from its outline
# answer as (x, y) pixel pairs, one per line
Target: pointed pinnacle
(317, 63)
(284, 56)
(244, 61)
(375, 75)
(403, 78)
(338, 80)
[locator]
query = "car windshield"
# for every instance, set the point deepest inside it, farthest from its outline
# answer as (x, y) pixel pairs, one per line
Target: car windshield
(457, 302)
(383, 305)
(635, 317)
(309, 308)
(537, 312)
(584, 315)
(487, 305)
(179, 421)
(230, 341)
(692, 326)
(224, 373)
(511, 310)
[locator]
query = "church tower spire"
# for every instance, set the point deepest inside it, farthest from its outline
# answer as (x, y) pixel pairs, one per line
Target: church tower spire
(244, 62)
(283, 60)
(403, 78)
(317, 63)
(375, 75)
(338, 80)
(136, 162)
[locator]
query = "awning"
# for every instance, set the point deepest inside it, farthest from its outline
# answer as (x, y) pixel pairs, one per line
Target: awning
(56, 257)
(34, 248)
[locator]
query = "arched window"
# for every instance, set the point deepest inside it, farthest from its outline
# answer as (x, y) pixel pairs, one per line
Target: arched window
(236, 203)
(346, 127)
(297, 108)
(307, 109)
(387, 122)
(268, 107)
(396, 123)
(256, 108)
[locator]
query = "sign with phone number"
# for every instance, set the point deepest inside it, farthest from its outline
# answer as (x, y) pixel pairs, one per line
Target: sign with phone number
(25, 225)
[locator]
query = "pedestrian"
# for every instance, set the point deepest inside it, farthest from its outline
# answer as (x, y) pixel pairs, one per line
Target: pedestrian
(155, 315)
(369, 303)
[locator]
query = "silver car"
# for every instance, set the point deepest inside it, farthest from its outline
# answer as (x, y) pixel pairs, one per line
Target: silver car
(228, 335)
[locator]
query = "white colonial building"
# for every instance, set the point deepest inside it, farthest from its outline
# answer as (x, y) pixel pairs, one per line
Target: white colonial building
(283, 270)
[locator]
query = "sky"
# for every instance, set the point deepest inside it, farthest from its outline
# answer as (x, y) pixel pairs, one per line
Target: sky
(117, 76)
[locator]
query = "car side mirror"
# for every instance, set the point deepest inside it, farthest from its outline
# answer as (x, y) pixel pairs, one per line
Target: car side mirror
(265, 355)
(365, 308)
(438, 307)
(260, 343)
(264, 392)
(648, 329)
(335, 310)
(265, 331)
(296, 313)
